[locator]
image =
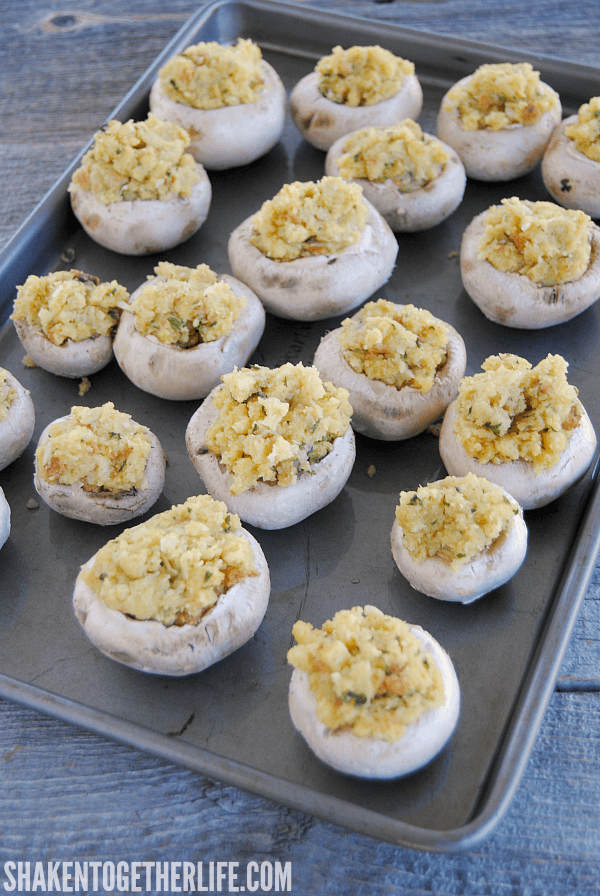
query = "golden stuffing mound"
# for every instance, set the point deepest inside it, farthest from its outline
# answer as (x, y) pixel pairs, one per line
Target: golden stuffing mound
(398, 345)
(361, 76)
(308, 218)
(545, 242)
(186, 306)
(173, 567)
(8, 394)
(402, 153)
(368, 673)
(101, 447)
(500, 94)
(138, 160)
(454, 519)
(515, 411)
(69, 305)
(275, 424)
(209, 75)
(585, 133)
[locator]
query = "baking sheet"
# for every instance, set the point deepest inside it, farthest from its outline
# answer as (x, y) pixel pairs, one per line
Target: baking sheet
(231, 721)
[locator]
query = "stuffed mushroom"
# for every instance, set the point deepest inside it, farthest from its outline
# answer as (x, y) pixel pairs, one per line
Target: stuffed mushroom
(230, 101)
(177, 593)
(400, 365)
(4, 518)
(531, 265)
(138, 190)
(274, 445)
(352, 89)
(17, 418)
(314, 251)
(459, 538)
(571, 162)
(66, 321)
(499, 120)
(414, 180)
(184, 328)
(98, 465)
(373, 696)
(522, 427)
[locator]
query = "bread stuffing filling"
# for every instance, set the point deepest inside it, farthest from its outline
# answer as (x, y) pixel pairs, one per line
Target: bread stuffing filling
(69, 305)
(454, 519)
(138, 160)
(368, 673)
(8, 394)
(174, 567)
(101, 448)
(402, 153)
(585, 132)
(547, 243)
(400, 345)
(310, 218)
(184, 306)
(209, 75)
(514, 411)
(361, 76)
(501, 94)
(274, 425)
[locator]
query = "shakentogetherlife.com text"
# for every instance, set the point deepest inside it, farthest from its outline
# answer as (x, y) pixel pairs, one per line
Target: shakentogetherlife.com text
(147, 877)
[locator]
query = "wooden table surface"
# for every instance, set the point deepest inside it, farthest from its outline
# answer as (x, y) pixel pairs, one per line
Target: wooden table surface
(69, 795)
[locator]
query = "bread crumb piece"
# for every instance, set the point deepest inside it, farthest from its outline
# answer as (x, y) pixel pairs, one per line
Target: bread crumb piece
(84, 386)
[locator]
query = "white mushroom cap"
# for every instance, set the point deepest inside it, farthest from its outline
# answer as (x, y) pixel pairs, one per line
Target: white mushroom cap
(103, 508)
(381, 411)
(231, 135)
(370, 757)
(70, 359)
(498, 155)
(142, 226)
(571, 177)
(322, 121)
(187, 374)
(4, 518)
(514, 300)
(265, 505)
(319, 286)
(528, 488)
(16, 429)
(150, 646)
(410, 212)
(483, 573)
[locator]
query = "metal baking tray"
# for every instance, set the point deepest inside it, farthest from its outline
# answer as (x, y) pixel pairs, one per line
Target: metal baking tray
(231, 722)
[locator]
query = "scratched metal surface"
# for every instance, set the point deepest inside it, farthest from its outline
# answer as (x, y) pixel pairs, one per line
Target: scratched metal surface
(232, 720)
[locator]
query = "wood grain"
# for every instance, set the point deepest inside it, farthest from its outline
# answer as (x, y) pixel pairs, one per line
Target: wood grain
(72, 795)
